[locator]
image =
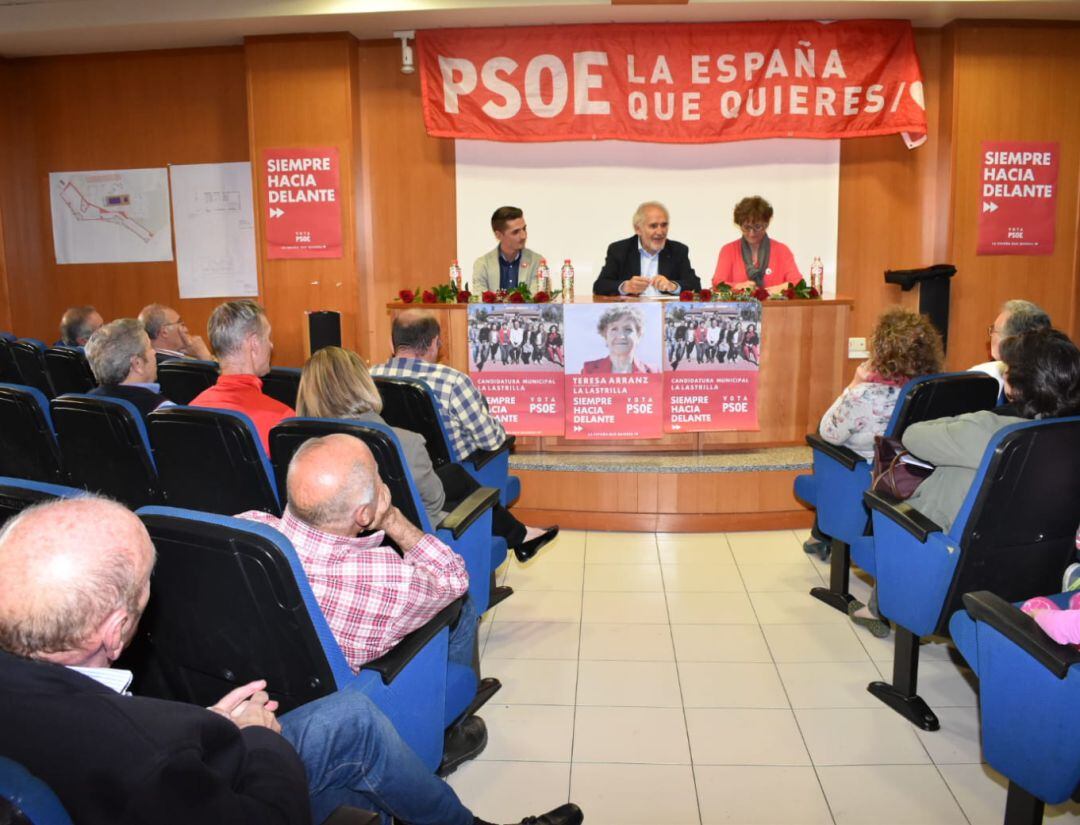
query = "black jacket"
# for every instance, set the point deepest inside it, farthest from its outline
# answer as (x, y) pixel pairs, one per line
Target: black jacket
(624, 262)
(114, 759)
(145, 401)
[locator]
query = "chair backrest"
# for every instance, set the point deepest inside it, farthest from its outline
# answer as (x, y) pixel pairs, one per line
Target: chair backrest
(105, 448)
(940, 396)
(211, 460)
(1017, 526)
(28, 446)
(282, 384)
(9, 373)
(32, 801)
(69, 371)
(410, 405)
(288, 435)
(230, 603)
(182, 379)
(29, 357)
(17, 494)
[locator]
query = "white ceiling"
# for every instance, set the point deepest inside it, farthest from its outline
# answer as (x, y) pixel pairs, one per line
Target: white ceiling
(40, 27)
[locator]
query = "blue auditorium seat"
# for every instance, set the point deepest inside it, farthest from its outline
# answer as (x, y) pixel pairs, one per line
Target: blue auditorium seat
(181, 379)
(28, 446)
(105, 448)
(211, 460)
(1013, 536)
(33, 802)
(69, 371)
(17, 494)
(9, 373)
(282, 384)
(29, 357)
(230, 603)
(409, 403)
(841, 514)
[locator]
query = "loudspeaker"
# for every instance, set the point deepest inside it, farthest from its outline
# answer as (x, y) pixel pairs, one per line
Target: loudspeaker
(323, 330)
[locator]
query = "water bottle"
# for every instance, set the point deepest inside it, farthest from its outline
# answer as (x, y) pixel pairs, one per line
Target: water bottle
(817, 275)
(567, 281)
(543, 276)
(455, 275)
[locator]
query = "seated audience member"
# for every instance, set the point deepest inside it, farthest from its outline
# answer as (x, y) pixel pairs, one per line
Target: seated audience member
(338, 515)
(1063, 626)
(1042, 380)
(74, 579)
(1016, 317)
(169, 334)
(124, 365)
(336, 384)
(510, 263)
(647, 264)
(77, 325)
(240, 335)
(415, 335)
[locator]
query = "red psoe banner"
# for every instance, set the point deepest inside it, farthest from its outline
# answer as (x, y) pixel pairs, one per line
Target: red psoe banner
(1018, 204)
(303, 204)
(674, 83)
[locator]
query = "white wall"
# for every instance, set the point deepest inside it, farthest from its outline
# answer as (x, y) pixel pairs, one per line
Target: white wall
(579, 196)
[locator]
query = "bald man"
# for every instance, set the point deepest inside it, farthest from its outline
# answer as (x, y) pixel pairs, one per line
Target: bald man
(74, 579)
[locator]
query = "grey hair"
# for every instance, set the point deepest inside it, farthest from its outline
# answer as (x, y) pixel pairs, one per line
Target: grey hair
(231, 323)
(153, 319)
(639, 214)
(74, 324)
(111, 348)
(1024, 316)
(358, 490)
(613, 314)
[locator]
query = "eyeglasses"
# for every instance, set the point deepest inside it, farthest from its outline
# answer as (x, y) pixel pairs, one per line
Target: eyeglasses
(177, 322)
(754, 227)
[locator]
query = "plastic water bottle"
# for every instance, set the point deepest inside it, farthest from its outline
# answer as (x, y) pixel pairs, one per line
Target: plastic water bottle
(455, 274)
(543, 276)
(567, 281)
(817, 275)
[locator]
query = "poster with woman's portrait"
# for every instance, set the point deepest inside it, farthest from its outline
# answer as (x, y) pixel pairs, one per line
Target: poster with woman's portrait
(614, 382)
(712, 353)
(516, 357)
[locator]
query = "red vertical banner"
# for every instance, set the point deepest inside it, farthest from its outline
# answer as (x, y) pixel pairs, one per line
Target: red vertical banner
(1018, 203)
(303, 202)
(711, 357)
(516, 361)
(614, 386)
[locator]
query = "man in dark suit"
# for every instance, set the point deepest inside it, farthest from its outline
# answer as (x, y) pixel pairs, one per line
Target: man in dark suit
(647, 264)
(74, 579)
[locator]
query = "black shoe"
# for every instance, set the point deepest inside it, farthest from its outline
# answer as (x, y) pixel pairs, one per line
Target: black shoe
(464, 741)
(527, 549)
(569, 814)
(499, 594)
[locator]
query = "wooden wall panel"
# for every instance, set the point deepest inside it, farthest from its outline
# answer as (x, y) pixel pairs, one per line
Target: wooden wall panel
(107, 111)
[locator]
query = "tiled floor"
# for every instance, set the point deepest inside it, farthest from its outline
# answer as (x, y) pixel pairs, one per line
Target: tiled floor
(678, 678)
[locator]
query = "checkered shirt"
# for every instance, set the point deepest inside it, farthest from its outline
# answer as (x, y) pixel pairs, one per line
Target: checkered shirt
(371, 597)
(463, 409)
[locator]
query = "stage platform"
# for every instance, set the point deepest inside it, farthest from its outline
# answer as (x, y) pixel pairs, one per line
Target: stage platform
(750, 489)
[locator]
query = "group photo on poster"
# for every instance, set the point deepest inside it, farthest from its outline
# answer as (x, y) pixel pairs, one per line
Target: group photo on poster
(516, 361)
(613, 366)
(712, 353)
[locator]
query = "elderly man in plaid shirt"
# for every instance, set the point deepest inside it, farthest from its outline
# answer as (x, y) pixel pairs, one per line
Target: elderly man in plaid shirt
(339, 514)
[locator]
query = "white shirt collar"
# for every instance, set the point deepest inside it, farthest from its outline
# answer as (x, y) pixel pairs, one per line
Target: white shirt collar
(113, 678)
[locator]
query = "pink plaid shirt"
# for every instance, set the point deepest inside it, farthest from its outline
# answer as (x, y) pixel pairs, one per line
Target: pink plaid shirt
(371, 596)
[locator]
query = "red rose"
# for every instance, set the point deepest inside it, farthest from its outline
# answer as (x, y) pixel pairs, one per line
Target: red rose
(515, 298)
(813, 293)
(761, 293)
(463, 296)
(488, 297)
(541, 298)
(790, 293)
(428, 297)
(407, 296)
(706, 294)
(686, 295)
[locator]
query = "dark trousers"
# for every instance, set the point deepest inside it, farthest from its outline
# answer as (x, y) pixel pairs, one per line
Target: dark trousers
(459, 485)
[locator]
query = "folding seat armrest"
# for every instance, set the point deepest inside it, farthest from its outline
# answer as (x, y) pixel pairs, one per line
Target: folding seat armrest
(482, 457)
(351, 816)
(469, 510)
(1022, 630)
(902, 513)
(391, 663)
(849, 459)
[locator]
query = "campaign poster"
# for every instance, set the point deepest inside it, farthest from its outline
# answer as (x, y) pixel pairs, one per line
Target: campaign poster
(1018, 206)
(712, 353)
(614, 382)
(303, 202)
(516, 358)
